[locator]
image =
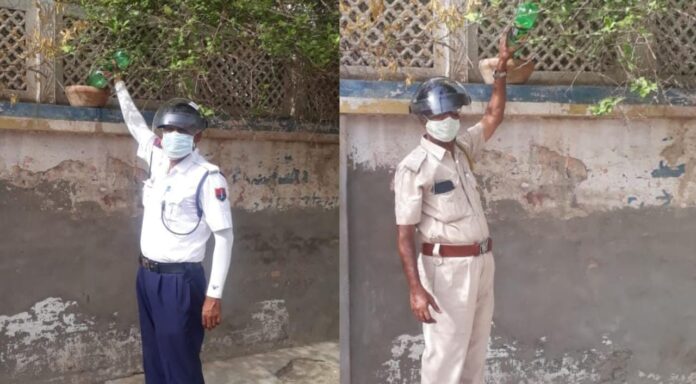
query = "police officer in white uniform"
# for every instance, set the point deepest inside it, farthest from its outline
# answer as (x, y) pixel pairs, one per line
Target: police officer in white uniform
(185, 200)
(451, 278)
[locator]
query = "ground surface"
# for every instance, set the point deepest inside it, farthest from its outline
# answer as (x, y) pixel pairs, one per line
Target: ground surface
(315, 364)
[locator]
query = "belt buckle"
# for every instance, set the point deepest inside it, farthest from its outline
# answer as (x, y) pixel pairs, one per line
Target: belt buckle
(437, 258)
(483, 247)
(150, 265)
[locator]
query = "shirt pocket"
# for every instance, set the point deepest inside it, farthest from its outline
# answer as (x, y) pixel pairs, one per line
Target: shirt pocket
(180, 207)
(448, 205)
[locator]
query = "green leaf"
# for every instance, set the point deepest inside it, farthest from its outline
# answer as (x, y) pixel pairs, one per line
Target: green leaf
(643, 87)
(606, 105)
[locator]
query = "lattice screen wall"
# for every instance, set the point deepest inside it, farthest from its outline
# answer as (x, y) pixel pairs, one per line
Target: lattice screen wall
(387, 33)
(676, 40)
(320, 98)
(240, 82)
(13, 46)
(382, 33)
(243, 80)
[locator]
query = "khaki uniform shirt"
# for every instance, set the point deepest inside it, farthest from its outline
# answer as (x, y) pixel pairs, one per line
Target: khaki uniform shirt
(437, 191)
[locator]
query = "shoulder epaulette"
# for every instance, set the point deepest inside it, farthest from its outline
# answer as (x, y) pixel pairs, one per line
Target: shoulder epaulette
(415, 159)
(212, 169)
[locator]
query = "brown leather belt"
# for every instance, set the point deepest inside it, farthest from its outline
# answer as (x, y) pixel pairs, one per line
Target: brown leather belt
(459, 250)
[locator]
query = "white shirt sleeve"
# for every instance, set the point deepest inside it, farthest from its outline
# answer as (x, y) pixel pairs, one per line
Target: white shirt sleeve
(222, 254)
(135, 122)
(216, 203)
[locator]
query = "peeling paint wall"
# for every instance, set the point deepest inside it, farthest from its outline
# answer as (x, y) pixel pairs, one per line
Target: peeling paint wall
(593, 222)
(70, 217)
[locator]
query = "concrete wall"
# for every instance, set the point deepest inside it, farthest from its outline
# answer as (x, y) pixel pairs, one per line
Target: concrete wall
(593, 222)
(70, 218)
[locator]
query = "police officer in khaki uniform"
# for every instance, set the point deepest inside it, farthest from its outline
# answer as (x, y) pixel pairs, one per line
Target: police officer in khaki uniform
(451, 282)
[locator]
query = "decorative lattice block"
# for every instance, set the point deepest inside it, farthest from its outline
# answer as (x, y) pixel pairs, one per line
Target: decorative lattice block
(243, 80)
(388, 32)
(675, 39)
(13, 45)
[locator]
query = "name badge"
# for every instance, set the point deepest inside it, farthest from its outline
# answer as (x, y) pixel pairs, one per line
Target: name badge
(443, 187)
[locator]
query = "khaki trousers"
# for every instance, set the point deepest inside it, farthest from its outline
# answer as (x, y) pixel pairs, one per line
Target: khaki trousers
(456, 346)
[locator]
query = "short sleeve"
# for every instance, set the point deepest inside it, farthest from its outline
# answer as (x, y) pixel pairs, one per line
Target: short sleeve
(408, 197)
(216, 203)
(473, 139)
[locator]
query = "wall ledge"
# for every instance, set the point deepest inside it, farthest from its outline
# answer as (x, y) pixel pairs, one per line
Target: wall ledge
(109, 121)
(392, 98)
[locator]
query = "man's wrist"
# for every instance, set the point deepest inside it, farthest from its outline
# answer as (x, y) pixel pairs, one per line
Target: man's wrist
(498, 74)
(414, 286)
(502, 63)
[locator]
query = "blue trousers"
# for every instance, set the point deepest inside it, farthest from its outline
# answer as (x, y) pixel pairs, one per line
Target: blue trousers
(170, 307)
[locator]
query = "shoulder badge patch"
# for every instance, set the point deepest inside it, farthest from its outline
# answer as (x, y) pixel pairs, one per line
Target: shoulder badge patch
(221, 194)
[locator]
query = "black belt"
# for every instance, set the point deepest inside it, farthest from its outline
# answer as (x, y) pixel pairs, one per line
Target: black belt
(157, 267)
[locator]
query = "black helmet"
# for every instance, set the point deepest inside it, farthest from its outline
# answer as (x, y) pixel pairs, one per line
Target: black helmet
(180, 113)
(437, 96)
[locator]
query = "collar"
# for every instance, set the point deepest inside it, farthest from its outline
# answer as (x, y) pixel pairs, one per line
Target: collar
(432, 148)
(185, 164)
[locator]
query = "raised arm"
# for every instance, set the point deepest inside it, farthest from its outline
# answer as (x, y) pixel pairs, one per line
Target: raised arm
(496, 106)
(134, 119)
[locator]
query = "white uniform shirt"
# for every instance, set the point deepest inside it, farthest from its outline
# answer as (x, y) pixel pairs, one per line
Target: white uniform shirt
(170, 200)
(175, 190)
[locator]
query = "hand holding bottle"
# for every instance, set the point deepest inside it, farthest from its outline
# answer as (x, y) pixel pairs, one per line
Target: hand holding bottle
(100, 77)
(525, 19)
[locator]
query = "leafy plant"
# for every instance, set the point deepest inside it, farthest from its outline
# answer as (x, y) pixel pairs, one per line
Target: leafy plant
(178, 42)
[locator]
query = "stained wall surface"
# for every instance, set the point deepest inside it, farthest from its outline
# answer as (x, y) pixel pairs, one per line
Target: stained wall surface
(593, 221)
(70, 217)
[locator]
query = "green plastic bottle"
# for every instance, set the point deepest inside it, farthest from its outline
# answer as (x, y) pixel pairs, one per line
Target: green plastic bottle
(97, 79)
(122, 59)
(525, 19)
(119, 57)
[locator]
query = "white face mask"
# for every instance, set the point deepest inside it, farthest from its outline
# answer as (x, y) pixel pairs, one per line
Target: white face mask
(443, 130)
(177, 145)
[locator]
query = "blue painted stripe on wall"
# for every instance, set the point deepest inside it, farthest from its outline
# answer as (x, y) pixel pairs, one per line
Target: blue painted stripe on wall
(579, 94)
(64, 112)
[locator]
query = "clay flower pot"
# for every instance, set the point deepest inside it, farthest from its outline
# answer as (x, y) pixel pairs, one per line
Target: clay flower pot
(86, 96)
(519, 70)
